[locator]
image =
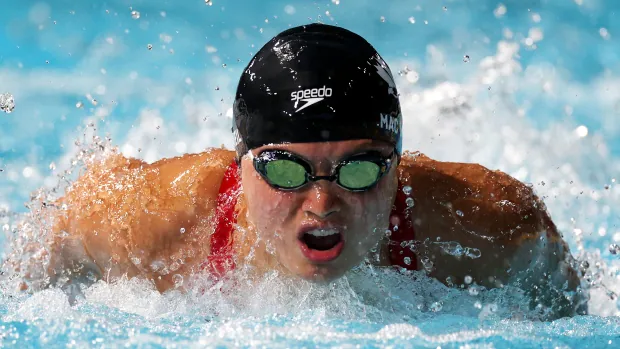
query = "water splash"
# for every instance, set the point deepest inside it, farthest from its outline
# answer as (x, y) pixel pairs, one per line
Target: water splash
(7, 102)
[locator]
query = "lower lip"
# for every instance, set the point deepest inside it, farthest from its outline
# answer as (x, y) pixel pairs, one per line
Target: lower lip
(317, 256)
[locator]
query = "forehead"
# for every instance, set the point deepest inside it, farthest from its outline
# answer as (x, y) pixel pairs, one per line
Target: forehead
(330, 150)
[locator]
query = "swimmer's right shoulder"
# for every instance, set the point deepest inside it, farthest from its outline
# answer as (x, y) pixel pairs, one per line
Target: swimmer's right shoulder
(196, 176)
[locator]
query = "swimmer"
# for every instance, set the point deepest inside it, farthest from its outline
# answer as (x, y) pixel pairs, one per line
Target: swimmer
(318, 184)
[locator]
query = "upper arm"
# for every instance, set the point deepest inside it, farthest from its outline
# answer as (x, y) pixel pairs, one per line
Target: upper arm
(133, 217)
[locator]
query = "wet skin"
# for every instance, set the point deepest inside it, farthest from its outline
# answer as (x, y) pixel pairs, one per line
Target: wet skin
(123, 211)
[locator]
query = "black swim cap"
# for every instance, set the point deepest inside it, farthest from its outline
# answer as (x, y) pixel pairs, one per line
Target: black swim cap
(316, 83)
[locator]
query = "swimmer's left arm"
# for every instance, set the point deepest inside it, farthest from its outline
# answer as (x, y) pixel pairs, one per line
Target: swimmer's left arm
(487, 210)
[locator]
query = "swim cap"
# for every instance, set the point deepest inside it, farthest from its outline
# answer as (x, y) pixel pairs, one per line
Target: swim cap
(316, 83)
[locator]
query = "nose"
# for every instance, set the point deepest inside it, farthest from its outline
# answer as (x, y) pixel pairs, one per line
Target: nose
(321, 201)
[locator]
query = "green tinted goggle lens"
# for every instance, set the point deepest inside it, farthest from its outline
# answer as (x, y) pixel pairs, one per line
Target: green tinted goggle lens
(359, 174)
(285, 171)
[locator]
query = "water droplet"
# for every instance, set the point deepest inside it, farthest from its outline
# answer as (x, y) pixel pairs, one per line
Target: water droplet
(224, 65)
(209, 2)
(336, 2)
(135, 14)
(7, 102)
(614, 249)
(445, 8)
(435, 307)
(178, 280)
(473, 291)
(427, 264)
(382, 19)
(157, 265)
(52, 166)
(478, 305)
(412, 20)
(452, 248)
(388, 233)
(466, 58)
(409, 202)
(149, 46)
(459, 213)
(407, 190)
(135, 260)
(407, 260)
(472, 253)
(468, 279)
(182, 230)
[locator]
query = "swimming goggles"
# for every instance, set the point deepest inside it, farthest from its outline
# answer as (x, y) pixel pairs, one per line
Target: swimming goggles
(286, 171)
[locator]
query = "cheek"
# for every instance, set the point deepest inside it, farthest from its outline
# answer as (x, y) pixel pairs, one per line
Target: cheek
(373, 207)
(268, 208)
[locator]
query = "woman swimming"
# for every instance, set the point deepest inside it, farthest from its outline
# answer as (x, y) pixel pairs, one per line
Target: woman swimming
(317, 180)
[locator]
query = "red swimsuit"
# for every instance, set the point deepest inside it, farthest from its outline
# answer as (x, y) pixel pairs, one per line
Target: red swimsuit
(222, 258)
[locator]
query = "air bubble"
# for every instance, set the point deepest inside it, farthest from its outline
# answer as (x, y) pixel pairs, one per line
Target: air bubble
(614, 249)
(466, 59)
(459, 213)
(135, 14)
(182, 230)
(149, 46)
(468, 279)
(407, 260)
(208, 2)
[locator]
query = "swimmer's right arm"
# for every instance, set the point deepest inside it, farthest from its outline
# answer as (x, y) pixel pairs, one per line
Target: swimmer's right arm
(124, 216)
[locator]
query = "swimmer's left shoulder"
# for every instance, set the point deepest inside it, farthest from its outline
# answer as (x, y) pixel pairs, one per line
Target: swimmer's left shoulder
(483, 199)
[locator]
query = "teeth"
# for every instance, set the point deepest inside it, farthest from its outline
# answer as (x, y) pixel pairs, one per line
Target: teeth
(323, 232)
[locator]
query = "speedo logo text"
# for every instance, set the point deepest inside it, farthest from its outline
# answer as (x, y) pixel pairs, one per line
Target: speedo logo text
(310, 96)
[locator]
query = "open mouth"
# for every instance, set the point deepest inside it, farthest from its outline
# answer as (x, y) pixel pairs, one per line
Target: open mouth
(321, 245)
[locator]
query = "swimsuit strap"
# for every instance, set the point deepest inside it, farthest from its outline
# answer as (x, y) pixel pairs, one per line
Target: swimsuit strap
(221, 259)
(403, 234)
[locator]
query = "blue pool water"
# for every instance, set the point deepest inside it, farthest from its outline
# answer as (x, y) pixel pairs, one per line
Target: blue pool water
(527, 87)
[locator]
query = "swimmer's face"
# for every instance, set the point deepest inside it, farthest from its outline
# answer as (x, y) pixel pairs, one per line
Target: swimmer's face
(320, 231)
